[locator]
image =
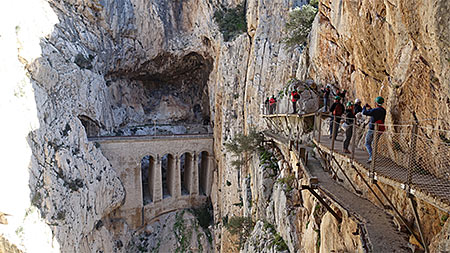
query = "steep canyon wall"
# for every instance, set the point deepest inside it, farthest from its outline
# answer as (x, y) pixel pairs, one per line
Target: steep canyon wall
(132, 62)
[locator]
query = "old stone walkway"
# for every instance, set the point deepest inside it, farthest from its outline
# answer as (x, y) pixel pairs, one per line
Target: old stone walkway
(382, 234)
(381, 231)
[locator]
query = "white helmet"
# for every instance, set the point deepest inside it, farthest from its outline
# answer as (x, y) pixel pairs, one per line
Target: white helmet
(357, 101)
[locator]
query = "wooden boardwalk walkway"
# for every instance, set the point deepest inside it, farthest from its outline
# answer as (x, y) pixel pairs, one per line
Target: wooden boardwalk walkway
(378, 225)
(429, 185)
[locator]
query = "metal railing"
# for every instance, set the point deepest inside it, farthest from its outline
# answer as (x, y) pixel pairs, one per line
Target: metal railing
(419, 161)
(416, 157)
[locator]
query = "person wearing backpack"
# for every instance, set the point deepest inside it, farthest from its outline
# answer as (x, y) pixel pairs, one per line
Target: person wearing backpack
(295, 97)
(377, 115)
(349, 121)
(336, 109)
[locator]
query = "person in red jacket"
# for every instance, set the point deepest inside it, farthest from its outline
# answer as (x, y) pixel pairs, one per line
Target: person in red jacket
(337, 109)
(295, 96)
(272, 104)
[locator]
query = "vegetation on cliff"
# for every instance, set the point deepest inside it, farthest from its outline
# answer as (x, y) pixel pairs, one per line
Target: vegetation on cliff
(242, 144)
(231, 21)
(240, 226)
(299, 25)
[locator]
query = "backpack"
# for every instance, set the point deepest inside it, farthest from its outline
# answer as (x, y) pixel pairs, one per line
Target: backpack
(339, 110)
(381, 126)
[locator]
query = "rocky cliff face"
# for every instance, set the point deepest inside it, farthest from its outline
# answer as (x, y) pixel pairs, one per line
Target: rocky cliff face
(122, 64)
(396, 49)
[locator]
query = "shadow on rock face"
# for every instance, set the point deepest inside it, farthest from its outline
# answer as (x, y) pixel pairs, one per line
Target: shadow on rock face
(167, 89)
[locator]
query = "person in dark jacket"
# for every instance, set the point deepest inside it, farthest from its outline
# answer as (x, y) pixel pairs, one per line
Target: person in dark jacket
(349, 120)
(336, 109)
(295, 97)
(266, 106)
(357, 108)
(377, 115)
(341, 94)
(326, 97)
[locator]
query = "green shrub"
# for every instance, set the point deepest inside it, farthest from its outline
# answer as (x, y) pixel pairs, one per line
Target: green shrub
(288, 181)
(205, 218)
(279, 242)
(299, 25)
(241, 226)
(231, 21)
(314, 3)
(266, 157)
(244, 143)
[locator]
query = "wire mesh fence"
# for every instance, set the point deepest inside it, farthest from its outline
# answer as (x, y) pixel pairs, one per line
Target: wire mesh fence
(421, 162)
(415, 156)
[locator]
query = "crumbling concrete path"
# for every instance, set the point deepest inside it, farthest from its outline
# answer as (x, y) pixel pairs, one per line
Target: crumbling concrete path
(381, 231)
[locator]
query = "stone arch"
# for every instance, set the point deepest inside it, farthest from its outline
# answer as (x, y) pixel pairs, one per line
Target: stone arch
(168, 174)
(148, 170)
(186, 172)
(203, 171)
(91, 127)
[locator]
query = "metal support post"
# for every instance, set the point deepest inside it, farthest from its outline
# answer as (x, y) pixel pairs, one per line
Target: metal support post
(319, 127)
(345, 175)
(353, 139)
(412, 153)
(328, 207)
(333, 125)
(368, 186)
(417, 219)
(399, 215)
(315, 126)
(328, 165)
(374, 151)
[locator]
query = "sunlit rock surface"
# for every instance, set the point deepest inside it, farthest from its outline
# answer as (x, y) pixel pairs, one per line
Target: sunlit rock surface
(133, 65)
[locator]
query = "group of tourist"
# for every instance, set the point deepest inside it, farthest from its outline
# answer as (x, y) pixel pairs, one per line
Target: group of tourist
(342, 112)
(347, 114)
(271, 105)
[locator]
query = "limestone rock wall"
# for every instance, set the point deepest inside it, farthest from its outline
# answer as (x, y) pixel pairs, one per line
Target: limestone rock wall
(70, 68)
(397, 49)
(71, 58)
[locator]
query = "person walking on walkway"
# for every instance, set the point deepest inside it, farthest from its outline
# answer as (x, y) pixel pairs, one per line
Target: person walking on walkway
(357, 107)
(341, 94)
(272, 104)
(266, 106)
(295, 97)
(337, 109)
(326, 97)
(377, 115)
(349, 121)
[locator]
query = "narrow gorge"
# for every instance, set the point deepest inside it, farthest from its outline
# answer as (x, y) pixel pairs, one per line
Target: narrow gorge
(143, 126)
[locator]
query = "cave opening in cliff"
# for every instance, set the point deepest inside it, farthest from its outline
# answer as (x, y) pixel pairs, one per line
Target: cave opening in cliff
(167, 94)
